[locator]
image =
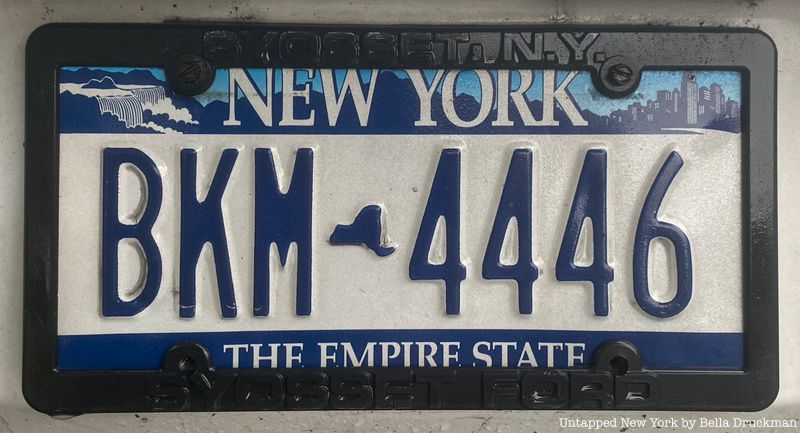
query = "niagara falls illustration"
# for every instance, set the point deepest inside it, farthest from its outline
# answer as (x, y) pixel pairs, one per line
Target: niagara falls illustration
(130, 107)
(137, 107)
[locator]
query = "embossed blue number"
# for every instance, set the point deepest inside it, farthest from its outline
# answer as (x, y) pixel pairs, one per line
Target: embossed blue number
(650, 228)
(515, 202)
(443, 201)
(589, 202)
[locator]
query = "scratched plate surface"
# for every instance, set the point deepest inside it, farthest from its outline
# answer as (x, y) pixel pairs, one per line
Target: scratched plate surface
(398, 217)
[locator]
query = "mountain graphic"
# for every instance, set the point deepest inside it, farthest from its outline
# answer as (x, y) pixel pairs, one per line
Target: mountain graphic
(139, 77)
(104, 83)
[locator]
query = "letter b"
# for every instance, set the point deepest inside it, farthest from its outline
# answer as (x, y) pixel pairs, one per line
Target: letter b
(114, 231)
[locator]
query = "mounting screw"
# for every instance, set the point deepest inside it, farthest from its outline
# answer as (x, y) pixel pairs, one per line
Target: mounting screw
(617, 357)
(186, 357)
(190, 74)
(620, 74)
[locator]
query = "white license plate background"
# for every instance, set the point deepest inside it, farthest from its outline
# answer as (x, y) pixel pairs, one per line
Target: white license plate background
(373, 298)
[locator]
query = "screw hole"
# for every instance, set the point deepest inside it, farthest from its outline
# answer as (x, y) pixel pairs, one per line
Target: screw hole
(620, 74)
(187, 364)
(618, 365)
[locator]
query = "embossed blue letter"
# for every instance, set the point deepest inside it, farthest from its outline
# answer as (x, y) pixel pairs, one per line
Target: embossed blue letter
(114, 231)
(283, 219)
(201, 223)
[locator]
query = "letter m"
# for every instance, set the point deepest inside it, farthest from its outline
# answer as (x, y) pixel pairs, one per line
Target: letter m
(283, 219)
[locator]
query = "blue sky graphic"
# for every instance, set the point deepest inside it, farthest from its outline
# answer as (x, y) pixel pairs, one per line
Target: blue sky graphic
(581, 87)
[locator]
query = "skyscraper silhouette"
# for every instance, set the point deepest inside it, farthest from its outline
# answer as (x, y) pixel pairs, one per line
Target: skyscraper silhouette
(689, 97)
(717, 98)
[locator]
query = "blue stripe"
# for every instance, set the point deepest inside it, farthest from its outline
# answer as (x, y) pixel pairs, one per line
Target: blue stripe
(395, 107)
(658, 349)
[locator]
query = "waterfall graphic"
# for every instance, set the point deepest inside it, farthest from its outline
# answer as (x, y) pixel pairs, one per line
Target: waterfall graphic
(121, 100)
(127, 108)
(149, 95)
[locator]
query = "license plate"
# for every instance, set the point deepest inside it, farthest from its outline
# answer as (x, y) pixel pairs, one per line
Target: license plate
(261, 217)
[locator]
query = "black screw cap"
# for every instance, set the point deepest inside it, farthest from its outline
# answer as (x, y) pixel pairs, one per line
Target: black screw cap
(190, 74)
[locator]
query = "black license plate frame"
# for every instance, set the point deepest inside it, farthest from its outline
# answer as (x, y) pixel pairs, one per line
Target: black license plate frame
(52, 391)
